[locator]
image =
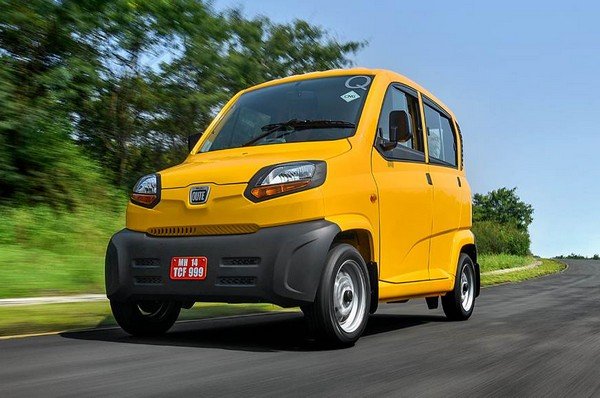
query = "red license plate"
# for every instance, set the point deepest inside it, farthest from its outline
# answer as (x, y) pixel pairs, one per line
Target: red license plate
(188, 268)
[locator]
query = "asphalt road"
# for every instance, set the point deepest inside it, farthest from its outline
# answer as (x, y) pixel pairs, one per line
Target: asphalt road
(538, 338)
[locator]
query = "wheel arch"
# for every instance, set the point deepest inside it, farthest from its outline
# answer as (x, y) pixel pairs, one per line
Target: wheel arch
(362, 241)
(470, 249)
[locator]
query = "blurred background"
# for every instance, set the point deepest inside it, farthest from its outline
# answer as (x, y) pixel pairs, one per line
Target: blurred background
(95, 94)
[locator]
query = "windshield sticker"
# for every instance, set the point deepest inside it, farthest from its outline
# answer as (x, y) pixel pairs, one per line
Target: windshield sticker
(350, 96)
(356, 82)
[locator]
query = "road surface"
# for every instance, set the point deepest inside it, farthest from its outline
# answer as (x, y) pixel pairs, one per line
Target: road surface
(538, 338)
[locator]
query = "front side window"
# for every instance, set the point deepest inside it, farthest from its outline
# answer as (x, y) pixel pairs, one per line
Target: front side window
(441, 140)
(307, 110)
(398, 100)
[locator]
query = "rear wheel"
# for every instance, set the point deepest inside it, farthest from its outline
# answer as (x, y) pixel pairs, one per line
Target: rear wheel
(145, 318)
(458, 304)
(341, 308)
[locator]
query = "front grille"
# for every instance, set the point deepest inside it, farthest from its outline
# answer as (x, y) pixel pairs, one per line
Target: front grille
(145, 263)
(148, 280)
(199, 230)
(233, 261)
(236, 280)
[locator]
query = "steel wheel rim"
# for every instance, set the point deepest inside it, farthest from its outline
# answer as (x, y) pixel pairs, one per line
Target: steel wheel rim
(152, 309)
(349, 296)
(467, 288)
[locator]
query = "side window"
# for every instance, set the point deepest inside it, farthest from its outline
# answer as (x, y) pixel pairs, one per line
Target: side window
(441, 139)
(398, 100)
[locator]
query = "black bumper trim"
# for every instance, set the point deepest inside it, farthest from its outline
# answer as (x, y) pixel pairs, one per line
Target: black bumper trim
(281, 265)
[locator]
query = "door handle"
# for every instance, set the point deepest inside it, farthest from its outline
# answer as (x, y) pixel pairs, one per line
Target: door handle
(429, 181)
(459, 182)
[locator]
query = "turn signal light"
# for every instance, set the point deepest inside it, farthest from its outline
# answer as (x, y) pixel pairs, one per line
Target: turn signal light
(277, 189)
(143, 198)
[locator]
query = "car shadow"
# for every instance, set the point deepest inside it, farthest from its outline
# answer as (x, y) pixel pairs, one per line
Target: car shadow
(268, 332)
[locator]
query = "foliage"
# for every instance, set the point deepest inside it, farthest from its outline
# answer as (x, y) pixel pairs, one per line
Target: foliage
(574, 256)
(127, 81)
(494, 238)
(503, 206)
(43, 68)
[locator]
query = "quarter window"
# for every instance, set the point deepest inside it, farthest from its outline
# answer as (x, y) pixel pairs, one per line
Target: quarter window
(441, 139)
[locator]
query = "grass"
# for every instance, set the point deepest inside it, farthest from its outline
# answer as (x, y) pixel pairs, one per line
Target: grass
(47, 318)
(547, 267)
(43, 252)
(493, 262)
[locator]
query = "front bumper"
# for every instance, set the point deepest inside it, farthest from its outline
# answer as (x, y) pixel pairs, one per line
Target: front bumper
(281, 265)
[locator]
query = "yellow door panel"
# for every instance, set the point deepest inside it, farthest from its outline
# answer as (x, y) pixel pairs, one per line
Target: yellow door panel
(405, 209)
(447, 209)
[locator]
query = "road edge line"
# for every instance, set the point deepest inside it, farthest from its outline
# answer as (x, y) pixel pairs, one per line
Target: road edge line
(116, 327)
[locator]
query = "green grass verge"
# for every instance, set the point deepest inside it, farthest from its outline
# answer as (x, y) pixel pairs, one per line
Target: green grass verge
(547, 267)
(44, 252)
(47, 318)
(493, 262)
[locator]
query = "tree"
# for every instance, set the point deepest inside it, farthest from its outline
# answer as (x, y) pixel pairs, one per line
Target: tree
(503, 206)
(167, 68)
(127, 81)
(45, 65)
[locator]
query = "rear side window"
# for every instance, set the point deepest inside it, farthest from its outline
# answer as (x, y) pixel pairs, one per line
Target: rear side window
(441, 139)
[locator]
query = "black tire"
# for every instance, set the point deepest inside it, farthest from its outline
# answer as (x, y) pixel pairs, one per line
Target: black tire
(457, 305)
(340, 319)
(145, 318)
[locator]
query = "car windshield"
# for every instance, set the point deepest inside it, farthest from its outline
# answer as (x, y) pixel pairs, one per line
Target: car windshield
(306, 110)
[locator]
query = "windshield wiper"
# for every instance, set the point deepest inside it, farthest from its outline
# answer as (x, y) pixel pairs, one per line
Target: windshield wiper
(298, 125)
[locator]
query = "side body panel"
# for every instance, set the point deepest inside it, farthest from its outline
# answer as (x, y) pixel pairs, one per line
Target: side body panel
(405, 204)
(447, 211)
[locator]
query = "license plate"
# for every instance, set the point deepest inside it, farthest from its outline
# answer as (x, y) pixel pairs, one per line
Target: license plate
(188, 268)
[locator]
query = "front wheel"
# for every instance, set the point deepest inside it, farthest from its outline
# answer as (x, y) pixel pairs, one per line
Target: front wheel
(459, 303)
(145, 318)
(341, 308)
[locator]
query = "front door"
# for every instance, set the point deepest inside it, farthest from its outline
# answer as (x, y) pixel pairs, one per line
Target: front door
(405, 194)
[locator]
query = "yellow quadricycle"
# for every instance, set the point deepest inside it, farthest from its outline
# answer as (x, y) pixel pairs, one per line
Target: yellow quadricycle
(331, 191)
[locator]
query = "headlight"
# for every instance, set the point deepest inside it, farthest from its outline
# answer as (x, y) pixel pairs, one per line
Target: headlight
(281, 179)
(146, 191)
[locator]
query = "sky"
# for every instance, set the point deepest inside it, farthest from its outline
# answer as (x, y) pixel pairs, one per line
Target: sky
(523, 79)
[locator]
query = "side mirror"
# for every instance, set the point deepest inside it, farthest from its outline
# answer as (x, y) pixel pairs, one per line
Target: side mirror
(192, 140)
(400, 128)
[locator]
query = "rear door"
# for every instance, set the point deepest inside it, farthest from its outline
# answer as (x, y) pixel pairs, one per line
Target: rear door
(442, 145)
(405, 196)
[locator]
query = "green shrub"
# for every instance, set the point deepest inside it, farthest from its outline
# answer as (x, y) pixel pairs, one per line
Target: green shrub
(495, 238)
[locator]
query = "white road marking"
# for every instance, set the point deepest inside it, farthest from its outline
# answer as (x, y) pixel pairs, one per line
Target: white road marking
(80, 298)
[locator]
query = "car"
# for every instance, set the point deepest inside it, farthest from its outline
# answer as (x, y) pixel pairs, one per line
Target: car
(330, 191)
